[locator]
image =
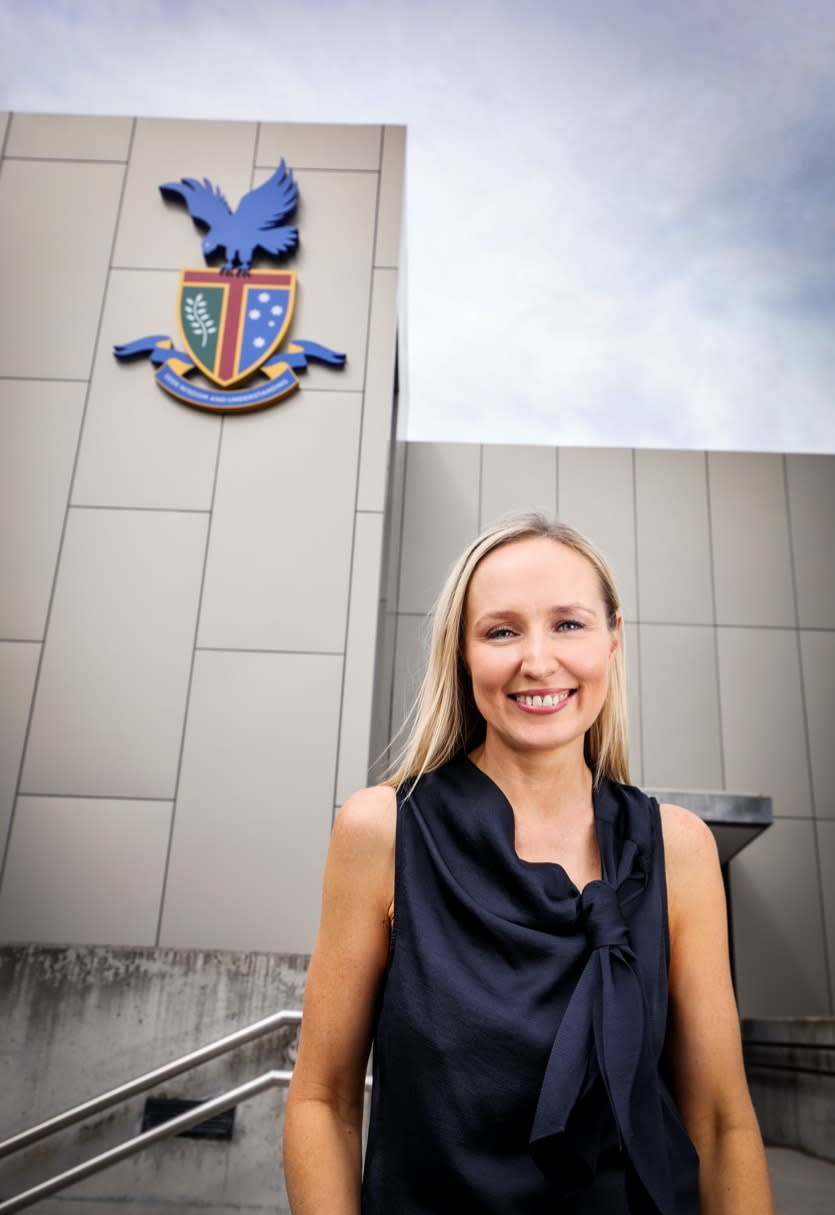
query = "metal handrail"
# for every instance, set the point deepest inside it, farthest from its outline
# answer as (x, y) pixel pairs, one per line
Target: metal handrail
(130, 1147)
(211, 1051)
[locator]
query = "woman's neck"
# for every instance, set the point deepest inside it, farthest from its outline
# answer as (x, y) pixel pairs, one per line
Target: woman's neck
(547, 782)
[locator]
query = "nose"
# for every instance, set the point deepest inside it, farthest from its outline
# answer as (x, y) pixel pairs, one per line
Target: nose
(539, 657)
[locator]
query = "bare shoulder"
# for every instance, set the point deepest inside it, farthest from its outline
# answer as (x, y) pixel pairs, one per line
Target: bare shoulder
(687, 838)
(691, 861)
(361, 853)
(359, 880)
(366, 822)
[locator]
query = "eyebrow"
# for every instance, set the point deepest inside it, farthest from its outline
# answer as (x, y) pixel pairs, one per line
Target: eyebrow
(559, 609)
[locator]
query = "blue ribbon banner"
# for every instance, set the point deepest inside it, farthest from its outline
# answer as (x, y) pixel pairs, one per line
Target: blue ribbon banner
(175, 365)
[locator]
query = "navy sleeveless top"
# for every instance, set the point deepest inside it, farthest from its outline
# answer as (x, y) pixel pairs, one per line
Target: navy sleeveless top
(520, 1026)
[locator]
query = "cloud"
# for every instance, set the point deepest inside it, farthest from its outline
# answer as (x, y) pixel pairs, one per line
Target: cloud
(619, 215)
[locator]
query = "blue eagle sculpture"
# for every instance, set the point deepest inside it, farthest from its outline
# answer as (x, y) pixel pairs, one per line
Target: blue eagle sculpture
(256, 224)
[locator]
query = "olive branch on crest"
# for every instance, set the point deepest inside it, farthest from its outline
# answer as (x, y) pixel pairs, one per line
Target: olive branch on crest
(197, 315)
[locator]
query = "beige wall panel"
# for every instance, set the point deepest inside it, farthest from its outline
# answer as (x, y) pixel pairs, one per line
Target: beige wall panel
(360, 655)
(335, 218)
(392, 186)
(313, 145)
(403, 358)
(18, 668)
(253, 812)
(515, 479)
(811, 481)
(54, 279)
(378, 400)
(39, 427)
(278, 570)
(818, 656)
(4, 123)
(826, 855)
(410, 655)
(778, 937)
(140, 447)
(384, 671)
(596, 496)
(112, 691)
(675, 577)
(633, 703)
(680, 708)
(154, 234)
(84, 872)
(394, 522)
(763, 738)
(750, 529)
(382, 701)
(441, 517)
(69, 137)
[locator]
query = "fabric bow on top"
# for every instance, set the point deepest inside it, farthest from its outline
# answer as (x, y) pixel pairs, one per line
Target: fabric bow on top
(605, 1037)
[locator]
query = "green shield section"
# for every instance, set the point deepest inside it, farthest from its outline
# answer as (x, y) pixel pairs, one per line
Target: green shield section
(200, 312)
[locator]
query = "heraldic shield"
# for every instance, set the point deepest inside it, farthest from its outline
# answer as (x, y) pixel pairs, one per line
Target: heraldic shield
(232, 323)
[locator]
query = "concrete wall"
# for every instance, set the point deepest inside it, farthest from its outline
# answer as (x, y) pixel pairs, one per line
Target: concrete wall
(791, 1073)
(77, 1022)
(723, 565)
(188, 603)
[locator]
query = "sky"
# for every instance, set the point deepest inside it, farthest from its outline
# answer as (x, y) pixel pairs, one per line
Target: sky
(620, 214)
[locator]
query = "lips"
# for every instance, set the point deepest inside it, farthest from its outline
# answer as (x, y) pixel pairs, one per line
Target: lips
(542, 700)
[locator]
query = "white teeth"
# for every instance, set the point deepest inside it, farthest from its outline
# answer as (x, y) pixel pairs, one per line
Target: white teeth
(547, 701)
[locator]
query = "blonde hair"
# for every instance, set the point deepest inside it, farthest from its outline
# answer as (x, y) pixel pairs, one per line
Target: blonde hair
(444, 719)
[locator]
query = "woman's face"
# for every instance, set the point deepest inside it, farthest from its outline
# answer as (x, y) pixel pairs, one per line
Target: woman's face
(537, 644)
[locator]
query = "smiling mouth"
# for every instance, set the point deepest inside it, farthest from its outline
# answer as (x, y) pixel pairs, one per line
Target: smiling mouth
(547, 700)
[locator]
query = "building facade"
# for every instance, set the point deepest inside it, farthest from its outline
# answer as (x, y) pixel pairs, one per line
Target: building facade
(211, 625)
(189, 601)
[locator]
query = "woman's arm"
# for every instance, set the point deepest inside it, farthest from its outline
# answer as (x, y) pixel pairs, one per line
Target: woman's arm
(704, 1046)
(323, 1122)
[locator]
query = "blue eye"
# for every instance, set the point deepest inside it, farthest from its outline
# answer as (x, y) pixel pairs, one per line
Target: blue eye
(500, 633)
(569, 626)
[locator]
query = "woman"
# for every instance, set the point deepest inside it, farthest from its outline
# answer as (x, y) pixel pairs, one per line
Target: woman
(538, 952)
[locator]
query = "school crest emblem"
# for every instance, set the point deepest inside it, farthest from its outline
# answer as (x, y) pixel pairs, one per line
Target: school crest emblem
(233, 321)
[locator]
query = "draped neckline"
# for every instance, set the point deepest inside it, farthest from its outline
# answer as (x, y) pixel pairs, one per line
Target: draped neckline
(507, 818)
